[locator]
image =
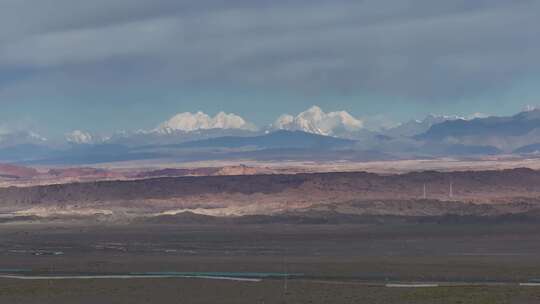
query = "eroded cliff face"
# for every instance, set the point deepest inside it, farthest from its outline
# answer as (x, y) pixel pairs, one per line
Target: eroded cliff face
(468, 193)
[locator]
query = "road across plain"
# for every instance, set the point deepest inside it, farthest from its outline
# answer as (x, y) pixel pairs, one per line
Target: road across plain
(249, 277)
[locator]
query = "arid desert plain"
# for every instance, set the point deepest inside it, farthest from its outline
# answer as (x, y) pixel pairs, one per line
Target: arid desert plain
(452, 232)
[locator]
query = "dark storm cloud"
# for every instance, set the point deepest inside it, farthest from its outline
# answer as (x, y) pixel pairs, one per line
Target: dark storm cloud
(417, 48)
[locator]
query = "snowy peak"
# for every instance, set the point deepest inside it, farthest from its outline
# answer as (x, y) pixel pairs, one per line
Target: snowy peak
(315, 120)
(79, 137)
(532, 113)
(10, 138)
(188, 122)
(415, 127)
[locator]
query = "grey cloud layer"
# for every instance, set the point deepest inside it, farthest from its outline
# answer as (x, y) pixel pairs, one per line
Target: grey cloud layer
(413, 48)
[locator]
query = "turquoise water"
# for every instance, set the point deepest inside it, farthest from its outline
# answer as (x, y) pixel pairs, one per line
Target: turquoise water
(258, 275)
(223, 274)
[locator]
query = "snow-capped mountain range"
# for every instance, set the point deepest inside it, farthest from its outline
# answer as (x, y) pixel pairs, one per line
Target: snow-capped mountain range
(187, 122)
(201, 136)
(199, 125)
(314, 120)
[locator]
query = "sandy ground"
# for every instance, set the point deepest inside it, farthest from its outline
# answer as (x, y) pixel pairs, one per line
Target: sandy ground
(397, 166)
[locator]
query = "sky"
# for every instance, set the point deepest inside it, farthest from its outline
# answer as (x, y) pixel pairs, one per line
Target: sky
(107, 65)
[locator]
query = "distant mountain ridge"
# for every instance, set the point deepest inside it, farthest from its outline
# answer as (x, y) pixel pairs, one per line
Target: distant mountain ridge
(278, 139)
(505, 133)
(310, 135)
(519, 124)
(415, 127)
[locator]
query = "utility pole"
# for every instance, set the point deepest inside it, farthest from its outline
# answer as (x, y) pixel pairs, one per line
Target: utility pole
(285, 268)
(424, 195)
(451, 191)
